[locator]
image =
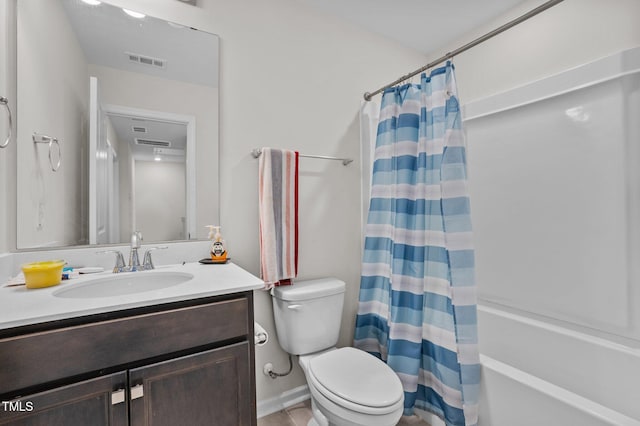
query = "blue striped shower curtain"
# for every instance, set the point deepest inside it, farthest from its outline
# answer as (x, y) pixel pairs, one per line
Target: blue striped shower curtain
(417, 308)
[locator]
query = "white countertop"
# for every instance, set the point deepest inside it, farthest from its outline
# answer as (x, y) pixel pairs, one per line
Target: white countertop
(22, 306)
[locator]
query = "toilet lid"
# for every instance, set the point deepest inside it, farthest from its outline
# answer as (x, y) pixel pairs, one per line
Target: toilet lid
(357, 377)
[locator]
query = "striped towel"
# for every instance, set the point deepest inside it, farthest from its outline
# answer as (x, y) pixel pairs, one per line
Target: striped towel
(278, 205)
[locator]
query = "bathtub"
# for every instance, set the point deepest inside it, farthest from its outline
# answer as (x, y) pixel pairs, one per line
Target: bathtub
(537, 372)
(554, 178)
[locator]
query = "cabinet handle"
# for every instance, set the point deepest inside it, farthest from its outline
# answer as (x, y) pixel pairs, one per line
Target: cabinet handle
(136, 392)
(117, 396)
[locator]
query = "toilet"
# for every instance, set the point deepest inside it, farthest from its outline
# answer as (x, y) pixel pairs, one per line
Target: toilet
(348, 387)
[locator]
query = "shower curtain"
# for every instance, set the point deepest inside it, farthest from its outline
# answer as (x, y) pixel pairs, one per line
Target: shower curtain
(417, 304)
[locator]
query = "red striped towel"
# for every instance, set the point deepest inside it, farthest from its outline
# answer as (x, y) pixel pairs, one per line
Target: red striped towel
(278, 205)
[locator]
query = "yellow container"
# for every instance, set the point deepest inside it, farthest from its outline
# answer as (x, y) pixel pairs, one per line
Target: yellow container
(43, 274)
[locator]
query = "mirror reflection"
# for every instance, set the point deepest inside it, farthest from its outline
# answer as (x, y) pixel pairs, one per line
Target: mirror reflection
(131, 100)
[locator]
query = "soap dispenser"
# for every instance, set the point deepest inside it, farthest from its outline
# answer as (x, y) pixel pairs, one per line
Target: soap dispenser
(218, 245)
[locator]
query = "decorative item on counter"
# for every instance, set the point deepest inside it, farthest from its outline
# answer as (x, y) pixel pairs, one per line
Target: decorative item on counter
(218, 245)
(43, 274)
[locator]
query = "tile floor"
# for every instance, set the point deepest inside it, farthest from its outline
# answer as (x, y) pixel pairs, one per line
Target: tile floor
(299, 415)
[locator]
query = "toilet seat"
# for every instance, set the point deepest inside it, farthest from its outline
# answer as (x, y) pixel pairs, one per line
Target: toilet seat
(356, 380)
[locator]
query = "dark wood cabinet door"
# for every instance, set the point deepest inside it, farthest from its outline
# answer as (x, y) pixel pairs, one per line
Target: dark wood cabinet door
(80, 404)
(209, 388)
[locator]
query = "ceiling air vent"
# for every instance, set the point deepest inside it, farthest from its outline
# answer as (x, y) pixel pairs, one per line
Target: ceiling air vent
(153, 142)
(168, 151)
(146, 60)
(139, 129)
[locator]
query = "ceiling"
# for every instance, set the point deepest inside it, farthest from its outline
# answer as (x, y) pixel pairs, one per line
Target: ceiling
(108, 37)
(424, 25)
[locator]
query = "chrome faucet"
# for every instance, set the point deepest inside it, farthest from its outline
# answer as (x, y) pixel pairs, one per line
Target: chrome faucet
(120, 266)
(134, 259)
(136, 242)
(147, 263)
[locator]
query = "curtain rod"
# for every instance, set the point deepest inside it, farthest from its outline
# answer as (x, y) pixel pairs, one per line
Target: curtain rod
(256, 152)
(487, 36)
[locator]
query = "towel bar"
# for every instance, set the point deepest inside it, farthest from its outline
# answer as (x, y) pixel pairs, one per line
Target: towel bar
(256, 152)
(38, 138)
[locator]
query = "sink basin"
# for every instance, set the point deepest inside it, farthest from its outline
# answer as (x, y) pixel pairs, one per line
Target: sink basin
(123, 284)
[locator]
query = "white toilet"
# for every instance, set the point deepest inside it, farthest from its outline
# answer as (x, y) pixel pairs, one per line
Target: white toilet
(349, 387)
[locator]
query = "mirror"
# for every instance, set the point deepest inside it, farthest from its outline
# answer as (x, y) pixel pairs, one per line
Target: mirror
(132, 102)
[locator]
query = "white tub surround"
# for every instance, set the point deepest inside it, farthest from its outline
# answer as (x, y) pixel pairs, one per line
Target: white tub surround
(554, 177)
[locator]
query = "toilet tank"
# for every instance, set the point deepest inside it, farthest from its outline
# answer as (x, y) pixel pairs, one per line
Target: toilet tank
(308, 314)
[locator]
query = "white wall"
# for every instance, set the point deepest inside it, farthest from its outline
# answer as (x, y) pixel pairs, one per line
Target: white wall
(54, 102)
(158, 94)
(159, 217)
(304, 76)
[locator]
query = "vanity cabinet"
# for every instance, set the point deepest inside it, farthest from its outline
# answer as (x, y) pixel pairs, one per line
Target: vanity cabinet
(84, 403)
(187, 363)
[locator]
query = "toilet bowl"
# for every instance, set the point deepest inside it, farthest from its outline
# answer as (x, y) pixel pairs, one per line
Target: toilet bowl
(348, 387)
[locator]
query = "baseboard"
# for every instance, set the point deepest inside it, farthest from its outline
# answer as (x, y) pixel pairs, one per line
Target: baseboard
(282, 401)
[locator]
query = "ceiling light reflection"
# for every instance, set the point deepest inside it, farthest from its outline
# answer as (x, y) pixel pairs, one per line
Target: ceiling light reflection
(577, 114)
(133, 14)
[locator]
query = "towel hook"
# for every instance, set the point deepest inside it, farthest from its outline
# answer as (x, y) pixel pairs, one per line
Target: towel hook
(38, 138)
(4, 101)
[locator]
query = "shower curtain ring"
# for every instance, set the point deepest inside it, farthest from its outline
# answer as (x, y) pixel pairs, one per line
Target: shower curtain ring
(450, 60)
